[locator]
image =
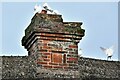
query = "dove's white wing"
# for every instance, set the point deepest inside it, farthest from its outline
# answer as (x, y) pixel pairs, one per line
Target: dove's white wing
(111, 50)
(45, 4)
(108, 51)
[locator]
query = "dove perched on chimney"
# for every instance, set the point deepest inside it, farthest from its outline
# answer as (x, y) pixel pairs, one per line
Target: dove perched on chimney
(48, 8)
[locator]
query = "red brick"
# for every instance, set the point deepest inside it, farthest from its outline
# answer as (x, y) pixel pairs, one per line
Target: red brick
(47, 66)
(57, 58)
(73, 46)
(51, 38)
(42, 33)
(47, 47)
(46, 59)
(46, 53)
(49, 56)
(45, 41)
(46, 34)
(52, 63)
(58, 35)
(44, 47)
(60, 39)
(72, 59)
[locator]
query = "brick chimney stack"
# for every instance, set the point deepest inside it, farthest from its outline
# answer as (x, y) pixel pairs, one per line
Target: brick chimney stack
(53, 42)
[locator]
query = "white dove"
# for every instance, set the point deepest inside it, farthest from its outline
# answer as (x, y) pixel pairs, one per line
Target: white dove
(108, 51)
(48, 8)
(37, 9)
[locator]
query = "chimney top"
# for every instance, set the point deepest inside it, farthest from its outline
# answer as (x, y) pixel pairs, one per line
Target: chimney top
(52, 23)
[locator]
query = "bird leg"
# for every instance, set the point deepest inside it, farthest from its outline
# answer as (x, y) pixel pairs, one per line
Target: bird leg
(109, 57)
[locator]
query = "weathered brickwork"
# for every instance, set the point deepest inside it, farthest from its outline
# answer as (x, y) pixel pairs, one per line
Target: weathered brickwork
(53, 42)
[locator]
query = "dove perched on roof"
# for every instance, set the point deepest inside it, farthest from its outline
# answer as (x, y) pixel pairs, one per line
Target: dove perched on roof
(108, 51)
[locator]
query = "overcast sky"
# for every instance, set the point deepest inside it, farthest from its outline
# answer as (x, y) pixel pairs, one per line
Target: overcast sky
(100, 21)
